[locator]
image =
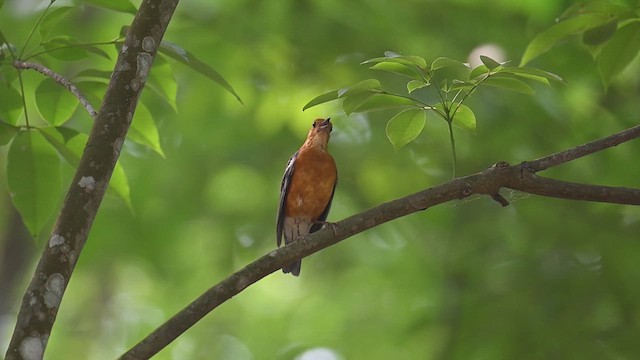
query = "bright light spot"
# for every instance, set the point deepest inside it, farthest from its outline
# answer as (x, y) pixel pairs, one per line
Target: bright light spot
(491, 50)
(319, 354)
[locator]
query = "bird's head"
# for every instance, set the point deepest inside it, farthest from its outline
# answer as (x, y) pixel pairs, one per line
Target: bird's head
(320, 133)
(322, 125)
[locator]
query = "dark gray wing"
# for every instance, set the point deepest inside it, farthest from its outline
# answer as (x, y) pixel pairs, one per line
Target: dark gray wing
(284, 189)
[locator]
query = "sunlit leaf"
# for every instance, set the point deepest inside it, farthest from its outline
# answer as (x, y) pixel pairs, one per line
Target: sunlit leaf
(33, 172)
(94, 73)
(619, 51)
(532, 73)
(52, 19)
(397, 68)
(462, 85)
(55, 103)
(442, 62)
(178, 53)
(391, 56)
(489, 62)
(68, 49)
(10, 104)
(417, 60)
(600, 34)
(599, 7)
(7, 132)
(405, 126)
(353, 102)
(93, 91)
(549, 37)
(478, 71)
(124, 6)
(321, 99)
(464, 118)
(375, 102)
(143, 129)
(369, 85)
(509, 83)
(414, 85)
(70, 144)
(162, 82)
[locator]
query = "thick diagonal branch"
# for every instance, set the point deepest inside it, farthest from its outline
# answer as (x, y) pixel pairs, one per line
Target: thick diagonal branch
(43, 297)
(488, 182)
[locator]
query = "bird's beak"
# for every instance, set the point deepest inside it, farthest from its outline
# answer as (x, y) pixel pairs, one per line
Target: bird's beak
(326, 124)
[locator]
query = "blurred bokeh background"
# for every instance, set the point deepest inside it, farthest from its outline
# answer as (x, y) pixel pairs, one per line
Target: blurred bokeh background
(540, 279)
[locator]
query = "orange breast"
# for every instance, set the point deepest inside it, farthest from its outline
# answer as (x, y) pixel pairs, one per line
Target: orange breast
(314, 176)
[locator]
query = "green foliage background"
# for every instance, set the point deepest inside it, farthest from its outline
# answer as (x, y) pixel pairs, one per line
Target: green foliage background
(540, 279)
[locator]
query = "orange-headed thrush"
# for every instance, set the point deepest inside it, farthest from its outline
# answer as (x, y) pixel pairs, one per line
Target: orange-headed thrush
(307, 189)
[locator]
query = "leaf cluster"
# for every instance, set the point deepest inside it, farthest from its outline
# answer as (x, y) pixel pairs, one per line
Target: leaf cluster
(452, 92)
(40, 142)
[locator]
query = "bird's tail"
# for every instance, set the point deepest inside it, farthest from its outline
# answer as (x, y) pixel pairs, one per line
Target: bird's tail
(293, 268)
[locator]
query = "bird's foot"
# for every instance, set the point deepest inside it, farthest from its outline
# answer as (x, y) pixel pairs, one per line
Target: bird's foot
(333, 226)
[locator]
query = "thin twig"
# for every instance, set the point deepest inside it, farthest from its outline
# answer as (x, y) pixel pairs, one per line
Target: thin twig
(60, 80)
(488, 182)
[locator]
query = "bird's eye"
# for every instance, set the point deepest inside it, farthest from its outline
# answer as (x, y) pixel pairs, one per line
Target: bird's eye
(314, 124)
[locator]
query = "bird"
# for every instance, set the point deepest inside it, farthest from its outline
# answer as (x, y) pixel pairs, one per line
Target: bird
(307, 189)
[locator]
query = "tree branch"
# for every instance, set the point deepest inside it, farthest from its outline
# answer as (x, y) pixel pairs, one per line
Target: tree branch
(43, 297)
(584, 149)
(488, 182)
(60, 80)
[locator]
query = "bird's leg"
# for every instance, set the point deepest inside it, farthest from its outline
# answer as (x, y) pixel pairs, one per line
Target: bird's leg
(328, 223)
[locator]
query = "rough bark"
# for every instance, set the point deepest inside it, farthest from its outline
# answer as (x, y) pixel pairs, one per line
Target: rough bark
(43, 297)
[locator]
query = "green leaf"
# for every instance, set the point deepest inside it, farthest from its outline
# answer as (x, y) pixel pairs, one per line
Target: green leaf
(7, 132)
(94, 92)
(124, 6)
(509, 83)
(143, 129)
(352, 102)
(405, 126)
(463, 118)
(601, 34)
(52, 19)
(321, 99)
(11, 104)
(397, 68)
(33, 172)
(462, 85)
(70, 144)
(619, 51)
(478, 71)
(549, 37)
(489, 62)
(369, 85)
(55, 103)
(68, 49)
(177, 53)
(442, 62)
(94, 74)
(532, 73)
(162, 82)
(373, 102)
(414, 85)
(390, 56)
